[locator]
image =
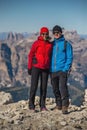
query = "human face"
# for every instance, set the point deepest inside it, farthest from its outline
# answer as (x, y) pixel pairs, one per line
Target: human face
(57, 34)
(45, 35)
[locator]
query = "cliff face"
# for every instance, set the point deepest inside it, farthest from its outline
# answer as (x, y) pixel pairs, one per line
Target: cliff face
(14, 37)
(13, 60)
(17, 116)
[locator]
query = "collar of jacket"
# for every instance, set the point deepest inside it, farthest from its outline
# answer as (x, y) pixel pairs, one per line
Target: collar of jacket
(40, 38)
(60, 39)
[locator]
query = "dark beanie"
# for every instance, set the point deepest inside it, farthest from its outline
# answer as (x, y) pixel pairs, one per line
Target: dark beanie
(57, 28)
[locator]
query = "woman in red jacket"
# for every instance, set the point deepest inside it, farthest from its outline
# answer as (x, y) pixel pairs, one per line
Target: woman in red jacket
(38, 66)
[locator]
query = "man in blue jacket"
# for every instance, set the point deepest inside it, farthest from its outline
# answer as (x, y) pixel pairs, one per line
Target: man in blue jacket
(61, 61)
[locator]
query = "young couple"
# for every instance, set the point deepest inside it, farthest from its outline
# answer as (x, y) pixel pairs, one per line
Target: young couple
(54, 57)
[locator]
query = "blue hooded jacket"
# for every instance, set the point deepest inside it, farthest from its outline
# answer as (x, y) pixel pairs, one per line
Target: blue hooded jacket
(61, 59)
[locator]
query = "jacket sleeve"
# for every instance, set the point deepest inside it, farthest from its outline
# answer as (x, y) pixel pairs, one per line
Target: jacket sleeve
(69, 57)
(31, 55)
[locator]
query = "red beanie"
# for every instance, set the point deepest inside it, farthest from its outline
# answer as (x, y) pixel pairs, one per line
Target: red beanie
(44, 29)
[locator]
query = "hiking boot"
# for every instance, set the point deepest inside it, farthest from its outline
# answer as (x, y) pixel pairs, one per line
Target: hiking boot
(65, 110)
(43, 109)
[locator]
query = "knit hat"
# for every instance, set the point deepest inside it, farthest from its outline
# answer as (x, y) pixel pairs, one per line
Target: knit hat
(44, 29)
(57, 28)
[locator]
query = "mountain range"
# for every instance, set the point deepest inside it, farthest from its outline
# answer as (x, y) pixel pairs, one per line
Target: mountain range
(4, 35)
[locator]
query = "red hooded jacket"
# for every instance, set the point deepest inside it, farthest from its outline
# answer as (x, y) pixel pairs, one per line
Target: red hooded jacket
(40, 54)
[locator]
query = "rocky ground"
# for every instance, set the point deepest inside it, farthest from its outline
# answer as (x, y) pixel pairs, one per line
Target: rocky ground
(17, 116)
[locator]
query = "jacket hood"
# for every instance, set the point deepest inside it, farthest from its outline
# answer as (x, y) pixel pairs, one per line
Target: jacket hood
(44, 29)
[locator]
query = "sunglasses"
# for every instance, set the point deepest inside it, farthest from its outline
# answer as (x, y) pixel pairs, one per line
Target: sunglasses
(44, 34)
(56, 32)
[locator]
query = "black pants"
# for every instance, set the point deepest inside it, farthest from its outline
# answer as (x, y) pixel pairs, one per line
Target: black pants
(60, 88)
(43, 74)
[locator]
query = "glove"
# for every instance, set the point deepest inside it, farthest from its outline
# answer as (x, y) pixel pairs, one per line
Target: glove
(29, 71)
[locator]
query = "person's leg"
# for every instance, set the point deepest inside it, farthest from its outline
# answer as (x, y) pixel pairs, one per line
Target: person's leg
(33, 88)
(64, 91)
(56, 91)
(43, 88)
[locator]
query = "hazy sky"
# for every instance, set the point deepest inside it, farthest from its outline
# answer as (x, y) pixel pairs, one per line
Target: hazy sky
(31, 15)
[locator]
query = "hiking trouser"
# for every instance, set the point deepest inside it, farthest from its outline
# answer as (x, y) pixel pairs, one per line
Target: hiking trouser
(43, 74)
(60, 88)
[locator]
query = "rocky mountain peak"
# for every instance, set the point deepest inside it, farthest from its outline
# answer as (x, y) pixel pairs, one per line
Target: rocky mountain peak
(14, 36)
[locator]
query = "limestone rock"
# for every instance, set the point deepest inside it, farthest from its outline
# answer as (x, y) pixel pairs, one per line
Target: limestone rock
(17, 116)
(5, 98)
(85, 96)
